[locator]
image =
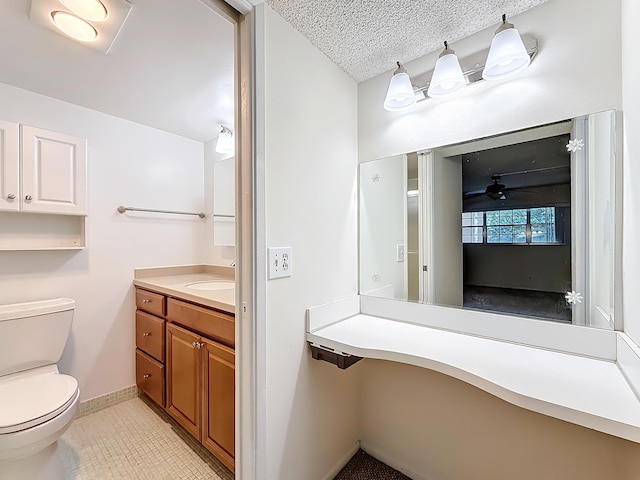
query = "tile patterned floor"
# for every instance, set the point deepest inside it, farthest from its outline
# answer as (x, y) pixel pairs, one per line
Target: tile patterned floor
(132, 440)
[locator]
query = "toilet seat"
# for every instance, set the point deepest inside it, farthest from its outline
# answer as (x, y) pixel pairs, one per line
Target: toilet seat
(32, 400)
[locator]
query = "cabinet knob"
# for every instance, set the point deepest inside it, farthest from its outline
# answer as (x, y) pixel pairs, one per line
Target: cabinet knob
(11, 196)
(146, 334)
(146, 375)
(146, 300)
(28, 197)
(197, 344)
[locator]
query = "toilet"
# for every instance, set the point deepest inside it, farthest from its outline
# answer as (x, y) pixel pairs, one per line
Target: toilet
(37, 402)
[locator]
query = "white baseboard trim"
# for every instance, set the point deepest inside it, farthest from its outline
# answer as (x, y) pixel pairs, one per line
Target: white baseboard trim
(378, 454)
(342, 462)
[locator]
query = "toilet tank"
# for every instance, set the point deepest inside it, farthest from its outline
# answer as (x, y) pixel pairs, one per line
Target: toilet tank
(33, 334)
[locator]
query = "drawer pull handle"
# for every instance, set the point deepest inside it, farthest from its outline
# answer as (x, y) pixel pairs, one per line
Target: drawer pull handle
(146, 375)
(146, 334)
(146, 300)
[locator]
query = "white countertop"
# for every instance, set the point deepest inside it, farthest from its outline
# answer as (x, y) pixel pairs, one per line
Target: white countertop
(586, 391)
(172, 281)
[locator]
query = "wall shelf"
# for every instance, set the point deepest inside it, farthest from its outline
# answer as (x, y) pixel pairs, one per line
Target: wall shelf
(586, 391)
(34, 232)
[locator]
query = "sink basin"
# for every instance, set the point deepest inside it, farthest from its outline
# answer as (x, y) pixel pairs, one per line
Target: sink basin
(211, 285)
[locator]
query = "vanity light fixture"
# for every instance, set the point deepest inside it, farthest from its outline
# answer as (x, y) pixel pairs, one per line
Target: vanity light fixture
(400, 93)
(447, 75)
(74, 26)
(90, 10)
(509, 54)
(225, 140)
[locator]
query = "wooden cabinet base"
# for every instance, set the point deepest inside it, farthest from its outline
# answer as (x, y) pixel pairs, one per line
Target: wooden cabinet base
(221, 454)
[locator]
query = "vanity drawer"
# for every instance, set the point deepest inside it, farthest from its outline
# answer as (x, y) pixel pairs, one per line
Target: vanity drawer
(150, 377)
(150, 334)
(209, 323)
(150, 302)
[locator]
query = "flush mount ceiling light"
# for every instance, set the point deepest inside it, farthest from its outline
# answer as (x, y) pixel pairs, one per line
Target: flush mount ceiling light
(447, 75)
(73, 26)
(502, 62)
(507, 55)
(105, 17)
(91, 10)
(400, 92)
(225, 141)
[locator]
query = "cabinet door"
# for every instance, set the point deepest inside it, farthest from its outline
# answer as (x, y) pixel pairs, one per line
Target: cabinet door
(9, 170)
(218, 425)
(54, 171)
(183, 378)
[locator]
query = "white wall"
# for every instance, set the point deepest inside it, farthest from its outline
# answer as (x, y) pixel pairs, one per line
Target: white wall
(310, 156)
(577, 71)
(631, 168)
(128, 164)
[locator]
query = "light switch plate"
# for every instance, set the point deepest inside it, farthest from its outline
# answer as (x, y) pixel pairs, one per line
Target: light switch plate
(280, 262)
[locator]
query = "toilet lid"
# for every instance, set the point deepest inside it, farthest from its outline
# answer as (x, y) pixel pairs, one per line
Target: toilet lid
(32, 400)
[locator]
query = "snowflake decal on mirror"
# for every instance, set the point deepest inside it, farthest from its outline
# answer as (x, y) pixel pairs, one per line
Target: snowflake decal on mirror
(575, 145)
(573, 297)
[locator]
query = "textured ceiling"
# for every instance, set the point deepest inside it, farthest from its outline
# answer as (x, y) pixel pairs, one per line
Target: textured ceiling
(366, 37)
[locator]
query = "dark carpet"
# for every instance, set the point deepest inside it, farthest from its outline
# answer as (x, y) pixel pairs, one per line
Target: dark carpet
(363, 466)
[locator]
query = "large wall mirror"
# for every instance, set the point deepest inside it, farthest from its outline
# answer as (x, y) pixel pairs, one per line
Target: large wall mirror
(521, 223)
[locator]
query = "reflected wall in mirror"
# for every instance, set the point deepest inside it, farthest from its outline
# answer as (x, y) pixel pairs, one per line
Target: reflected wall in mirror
(520, 223)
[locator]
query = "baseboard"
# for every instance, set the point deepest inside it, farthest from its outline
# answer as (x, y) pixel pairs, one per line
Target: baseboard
(107, 400)
(342, 462)
(379, 455)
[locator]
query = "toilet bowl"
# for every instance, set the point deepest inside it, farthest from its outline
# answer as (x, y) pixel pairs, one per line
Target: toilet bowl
(37, 403)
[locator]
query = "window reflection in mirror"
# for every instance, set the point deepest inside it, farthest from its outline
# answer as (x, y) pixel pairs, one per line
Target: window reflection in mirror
(521, 223)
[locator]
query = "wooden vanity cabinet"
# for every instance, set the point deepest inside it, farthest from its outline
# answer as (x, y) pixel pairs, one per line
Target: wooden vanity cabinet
(219, 401)
(201, 375)
(150, 344)
(184, 378)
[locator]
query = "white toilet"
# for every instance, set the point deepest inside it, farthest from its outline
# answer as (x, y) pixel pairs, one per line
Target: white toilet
(37, 403)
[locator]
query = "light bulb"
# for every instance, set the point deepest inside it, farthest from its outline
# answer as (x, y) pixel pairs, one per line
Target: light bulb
(92, 10)
(73, 26)
(400, 94)
(507, 54)
(447, 75)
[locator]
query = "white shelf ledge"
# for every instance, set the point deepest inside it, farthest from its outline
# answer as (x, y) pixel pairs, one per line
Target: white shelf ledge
(586, 391)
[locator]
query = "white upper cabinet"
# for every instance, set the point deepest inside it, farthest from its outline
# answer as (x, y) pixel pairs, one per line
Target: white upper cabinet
(54, 171)
(9, 167)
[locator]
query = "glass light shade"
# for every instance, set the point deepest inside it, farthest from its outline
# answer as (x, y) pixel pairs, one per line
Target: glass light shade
(225, 142)
(73, 26)
(447, 77)
(92, 10)
(507, 56)
(400, 93)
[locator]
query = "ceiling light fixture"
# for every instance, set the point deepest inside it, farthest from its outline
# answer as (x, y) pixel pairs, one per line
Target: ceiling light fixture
(91, 10)
(400, 92)
(94, 23)
(225, 141)
(73, 26)
(447, 75)
(507, 55)
(504, 59)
